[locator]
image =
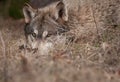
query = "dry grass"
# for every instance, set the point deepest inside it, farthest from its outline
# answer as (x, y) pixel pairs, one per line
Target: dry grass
(93, 56)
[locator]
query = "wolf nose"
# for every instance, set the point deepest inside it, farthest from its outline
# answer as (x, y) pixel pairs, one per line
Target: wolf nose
(35, 50)
(32, 50)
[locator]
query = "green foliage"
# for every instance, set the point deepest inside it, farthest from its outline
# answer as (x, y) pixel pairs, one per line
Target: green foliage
(12, 8)
(15, 12)
(15, 9)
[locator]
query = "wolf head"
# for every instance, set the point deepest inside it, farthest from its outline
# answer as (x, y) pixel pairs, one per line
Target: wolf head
(44, 22)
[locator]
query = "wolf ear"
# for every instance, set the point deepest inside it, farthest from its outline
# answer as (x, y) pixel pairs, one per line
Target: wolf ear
(28, 12)
(61, 11)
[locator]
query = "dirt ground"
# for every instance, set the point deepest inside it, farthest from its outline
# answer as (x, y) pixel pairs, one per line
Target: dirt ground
(84, 60)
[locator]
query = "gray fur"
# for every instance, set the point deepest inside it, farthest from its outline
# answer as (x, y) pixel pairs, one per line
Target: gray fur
(44, 22)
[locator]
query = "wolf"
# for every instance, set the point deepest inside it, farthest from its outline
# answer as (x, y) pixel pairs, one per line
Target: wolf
(44, 21)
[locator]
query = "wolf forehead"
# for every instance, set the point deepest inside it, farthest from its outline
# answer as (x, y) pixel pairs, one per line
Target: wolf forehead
(50, 18)
(43, 22)
(56, 10)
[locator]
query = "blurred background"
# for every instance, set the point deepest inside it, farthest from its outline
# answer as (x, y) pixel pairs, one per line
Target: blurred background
(12, 8)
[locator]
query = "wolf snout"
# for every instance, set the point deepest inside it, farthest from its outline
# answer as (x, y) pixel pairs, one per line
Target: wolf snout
(29, 49)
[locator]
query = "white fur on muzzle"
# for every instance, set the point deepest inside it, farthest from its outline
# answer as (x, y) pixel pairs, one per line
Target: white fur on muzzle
(45, 47)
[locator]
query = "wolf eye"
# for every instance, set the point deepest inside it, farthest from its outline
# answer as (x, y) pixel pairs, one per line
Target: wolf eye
(34, 34)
